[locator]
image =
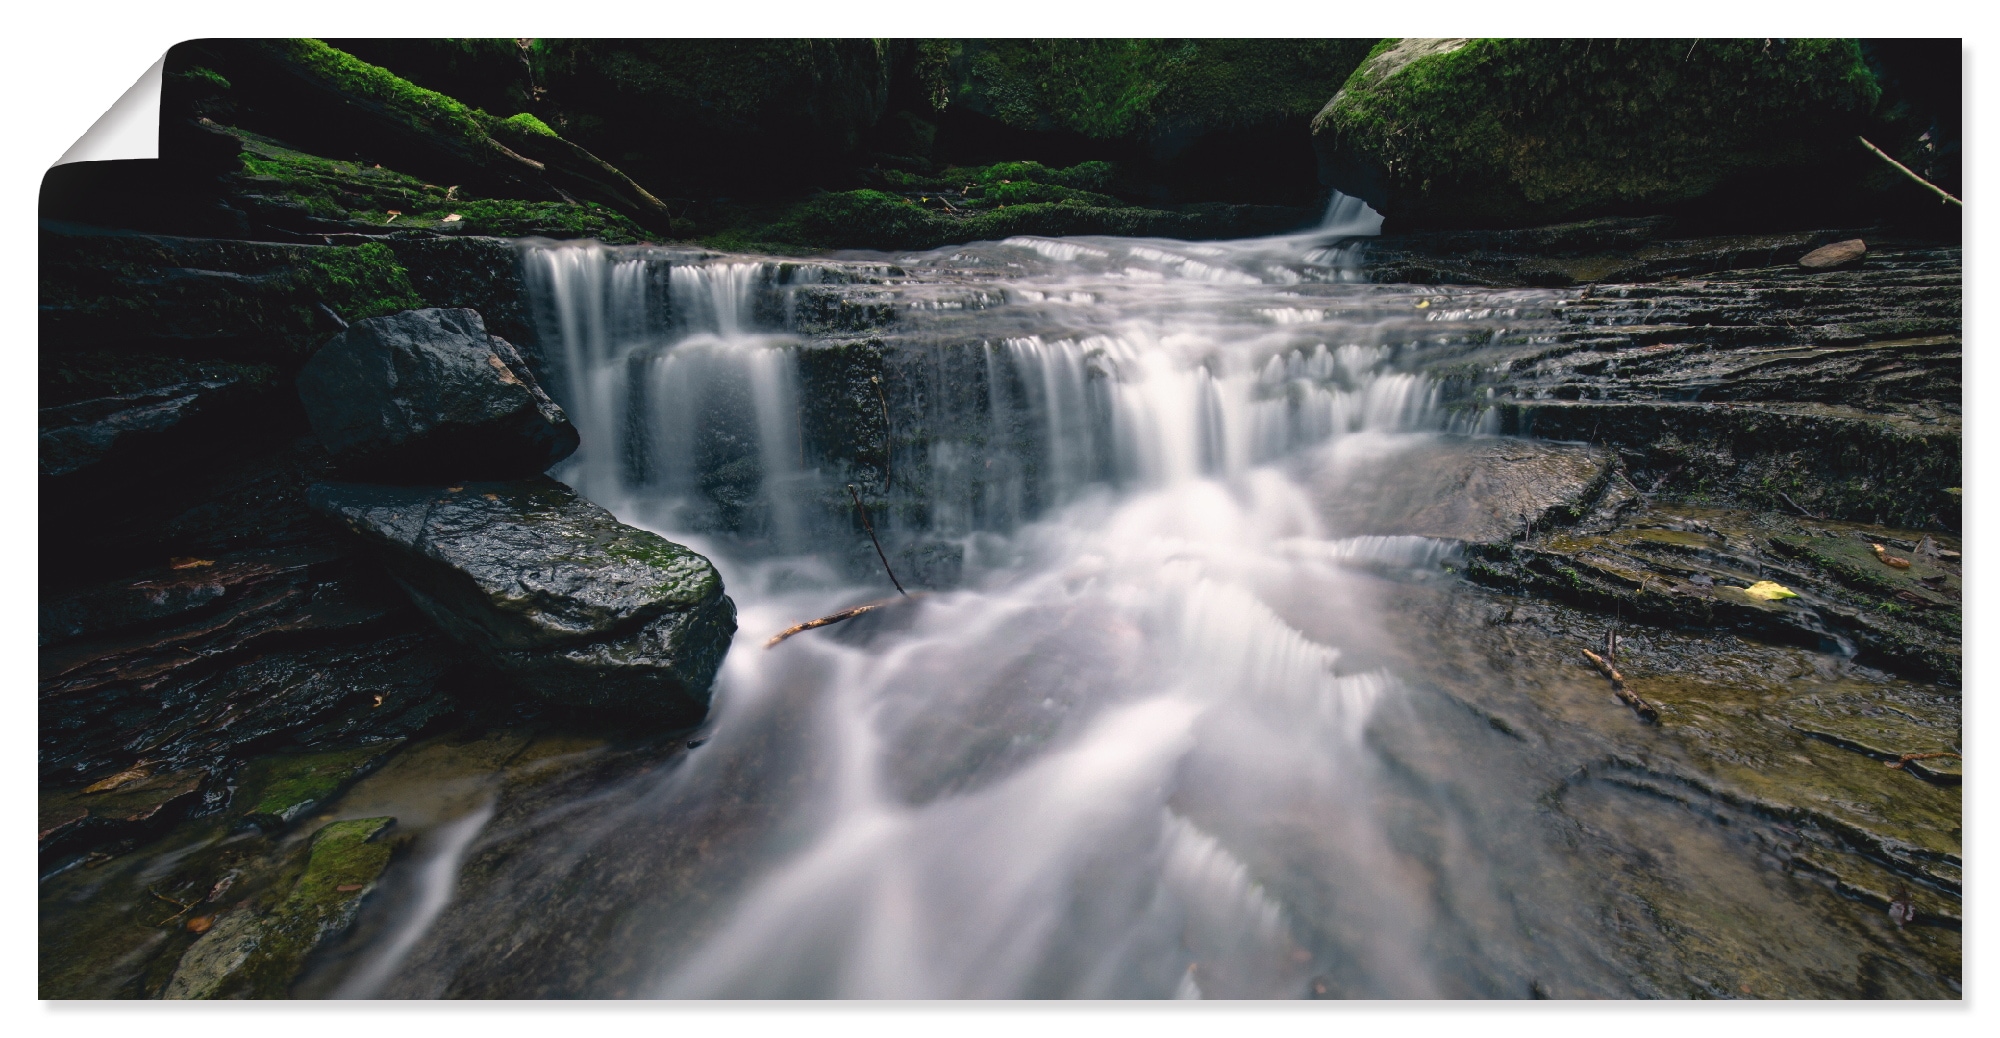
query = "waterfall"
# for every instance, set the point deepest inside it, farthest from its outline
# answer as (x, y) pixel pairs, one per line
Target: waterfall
(1036, 780)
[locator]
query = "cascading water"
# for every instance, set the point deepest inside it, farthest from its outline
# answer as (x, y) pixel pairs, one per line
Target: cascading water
(1122, 748)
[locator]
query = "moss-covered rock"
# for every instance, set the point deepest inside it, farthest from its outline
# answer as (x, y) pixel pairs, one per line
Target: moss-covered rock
(252, 954)
(577, 607)
(272, 791)
(1512, 132)
(1161, 91)
(289, 188)
(329, 102)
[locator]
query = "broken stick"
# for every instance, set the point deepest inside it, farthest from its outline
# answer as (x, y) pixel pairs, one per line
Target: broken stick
(1940, 192)
(834, 618)
(1630, 698)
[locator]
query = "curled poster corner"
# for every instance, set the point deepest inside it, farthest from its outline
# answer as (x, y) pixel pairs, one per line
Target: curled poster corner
(129, 129)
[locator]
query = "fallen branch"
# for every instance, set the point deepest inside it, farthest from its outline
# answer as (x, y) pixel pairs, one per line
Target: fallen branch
(870, 527)
(1630, 698)
(1940, 192)
(1801, 508)
(834, 618)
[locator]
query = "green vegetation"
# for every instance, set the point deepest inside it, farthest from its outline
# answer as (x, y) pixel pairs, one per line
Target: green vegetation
(1122, 88)
(373, 198)
(427, 109)
(359, 282)
(272, 791)
(1522, 131)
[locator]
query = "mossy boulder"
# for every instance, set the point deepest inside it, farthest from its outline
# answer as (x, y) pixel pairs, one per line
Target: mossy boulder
(1515, 132)
(252, 954)
(575, 606)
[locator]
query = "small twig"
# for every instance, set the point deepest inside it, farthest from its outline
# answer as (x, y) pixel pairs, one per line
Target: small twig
(1908, 172)
(870, 527)
(888, 443)
(834, 618)
(185, 908)
(1795, 504)
(1630, 698)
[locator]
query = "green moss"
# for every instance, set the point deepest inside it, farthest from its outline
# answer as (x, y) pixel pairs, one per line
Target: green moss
(252, 955)
(527, 123)
(427, 109)
(369, 197)
(272, 791)
(1519, 130)
(205, 76)
(359, 282)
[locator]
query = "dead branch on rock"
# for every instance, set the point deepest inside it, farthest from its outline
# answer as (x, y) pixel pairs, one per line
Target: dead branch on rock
(1940, 192)
(1801, 508)
(1629, 697)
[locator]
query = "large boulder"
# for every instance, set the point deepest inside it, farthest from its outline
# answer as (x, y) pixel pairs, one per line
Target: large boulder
(1517, 132)
(574, 605)
(430, 394)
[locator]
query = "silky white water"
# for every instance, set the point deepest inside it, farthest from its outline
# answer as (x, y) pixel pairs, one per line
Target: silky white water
(1125, 750)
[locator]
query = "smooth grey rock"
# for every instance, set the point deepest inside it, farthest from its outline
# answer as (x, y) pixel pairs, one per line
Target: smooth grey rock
(1838, 254)
(576, 606)
(1471, 490)
(429, 395)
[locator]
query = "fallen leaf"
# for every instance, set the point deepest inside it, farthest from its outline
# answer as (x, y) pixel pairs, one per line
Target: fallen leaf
(378, 700)
(454, 489)
(453, 218)
(1888, 559)
(491, 497)
(1423, 304)
(200, 923)
(348, 888)
(1769, 591)
(123, 777)
(188, 562)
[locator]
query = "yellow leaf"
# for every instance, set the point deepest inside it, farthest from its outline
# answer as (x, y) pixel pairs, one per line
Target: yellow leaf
(1769, 591)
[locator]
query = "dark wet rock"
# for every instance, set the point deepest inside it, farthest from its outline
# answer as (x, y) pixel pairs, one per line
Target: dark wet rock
(273, 791)
(1473, 133)
(136, 804)
(251, 653)
(1476, 491)
(1839, 254)
(1832, 392)
(430, 394)
(1687, 566)
(252, 954)
(79, 435)
(575, 606)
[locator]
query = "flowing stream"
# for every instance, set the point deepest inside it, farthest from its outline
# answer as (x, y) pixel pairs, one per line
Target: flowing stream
(1127, 744)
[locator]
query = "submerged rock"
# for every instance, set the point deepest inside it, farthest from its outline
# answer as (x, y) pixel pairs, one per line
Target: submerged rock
(247, 954)
(574, 605)
(1471, 490)
(431, 394)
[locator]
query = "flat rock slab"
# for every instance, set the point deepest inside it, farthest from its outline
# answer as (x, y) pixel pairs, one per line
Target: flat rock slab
(578, 607)
(430, 394)
(1475, 490)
